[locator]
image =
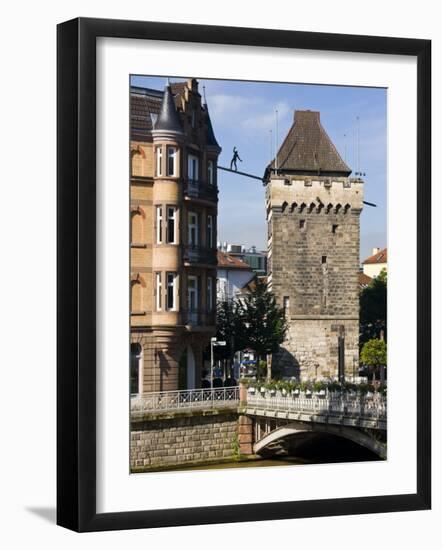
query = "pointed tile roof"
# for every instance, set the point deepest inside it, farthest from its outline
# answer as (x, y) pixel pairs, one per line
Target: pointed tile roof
(168, 120)
(308, 148)
(211, 139)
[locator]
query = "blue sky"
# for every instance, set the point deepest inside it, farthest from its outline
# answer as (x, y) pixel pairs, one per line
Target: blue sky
(243, 114)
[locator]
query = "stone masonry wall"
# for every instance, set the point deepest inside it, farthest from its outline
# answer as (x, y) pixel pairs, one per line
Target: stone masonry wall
(183, 440)
(314, 231)
(311, 349)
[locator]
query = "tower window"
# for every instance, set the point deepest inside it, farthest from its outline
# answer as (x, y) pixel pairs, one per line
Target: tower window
(171, 224)
(159, 155)
(171, 161)
(159, 224)
(171, 291)
(159, 291)
(334, 227)
(324, 259)
(301, 224)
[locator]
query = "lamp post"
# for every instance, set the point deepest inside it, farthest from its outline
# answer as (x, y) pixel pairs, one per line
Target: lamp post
(213, 343)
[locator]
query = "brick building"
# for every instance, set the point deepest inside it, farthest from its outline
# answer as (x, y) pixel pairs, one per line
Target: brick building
(313, 211)
(173, 186)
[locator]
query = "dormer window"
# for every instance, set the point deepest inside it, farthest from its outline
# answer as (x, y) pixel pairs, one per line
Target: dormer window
(172, 161)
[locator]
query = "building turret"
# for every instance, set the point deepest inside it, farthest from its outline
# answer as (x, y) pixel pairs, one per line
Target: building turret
(168, 122)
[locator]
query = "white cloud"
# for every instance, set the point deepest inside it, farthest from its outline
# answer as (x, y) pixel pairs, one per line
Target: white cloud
(250, 114)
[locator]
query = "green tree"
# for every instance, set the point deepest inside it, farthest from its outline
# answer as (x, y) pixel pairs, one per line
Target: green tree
(230, 328)
(265, 323)
(374, 354)
(373, 309)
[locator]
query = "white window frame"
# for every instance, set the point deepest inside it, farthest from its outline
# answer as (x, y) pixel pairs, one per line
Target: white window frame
(192, 167)
(172, 153)
(210, 172)
(171, 282)
(190, 226)
(159, 218)
(210, 231)
(172, 218)
(159, 290)
(159, 159)
(209, 297)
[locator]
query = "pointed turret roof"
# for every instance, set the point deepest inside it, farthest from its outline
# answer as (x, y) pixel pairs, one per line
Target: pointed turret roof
(168, 119)
(308, 149)
(211, 139)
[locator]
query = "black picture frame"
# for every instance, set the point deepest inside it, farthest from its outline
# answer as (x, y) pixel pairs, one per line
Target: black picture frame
(76, 274)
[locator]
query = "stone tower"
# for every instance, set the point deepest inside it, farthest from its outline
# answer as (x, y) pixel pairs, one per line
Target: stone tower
(313, 211)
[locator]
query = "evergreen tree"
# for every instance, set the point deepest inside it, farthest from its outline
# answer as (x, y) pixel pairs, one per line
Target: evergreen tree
(265, 323)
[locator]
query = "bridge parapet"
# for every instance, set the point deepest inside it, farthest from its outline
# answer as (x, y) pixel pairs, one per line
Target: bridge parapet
(334, 408)
(174, 401)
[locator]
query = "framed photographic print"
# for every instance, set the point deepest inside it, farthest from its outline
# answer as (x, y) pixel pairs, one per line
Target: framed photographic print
(233, 204)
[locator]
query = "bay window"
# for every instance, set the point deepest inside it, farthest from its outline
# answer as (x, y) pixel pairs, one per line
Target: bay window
(159, 292)
(210, 231)
(159, 224)
(171, 224)
(159, 160)
(171, 291)
(209, 294)
(172, 156)
(193, 229)
(192, 167)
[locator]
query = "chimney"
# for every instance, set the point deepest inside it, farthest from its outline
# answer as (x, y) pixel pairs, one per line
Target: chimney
(376, 250)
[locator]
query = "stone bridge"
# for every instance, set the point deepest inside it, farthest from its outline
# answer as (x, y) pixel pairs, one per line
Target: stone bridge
(178, 427)
(268, 421)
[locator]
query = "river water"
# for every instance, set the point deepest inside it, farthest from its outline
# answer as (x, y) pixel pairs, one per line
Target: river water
(321, 451)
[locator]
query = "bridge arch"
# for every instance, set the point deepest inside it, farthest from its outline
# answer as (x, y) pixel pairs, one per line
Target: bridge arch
(294, 428)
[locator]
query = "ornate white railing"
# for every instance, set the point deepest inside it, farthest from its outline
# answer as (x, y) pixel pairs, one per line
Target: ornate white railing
(343, 404)
(337, 404)
(185, 399)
